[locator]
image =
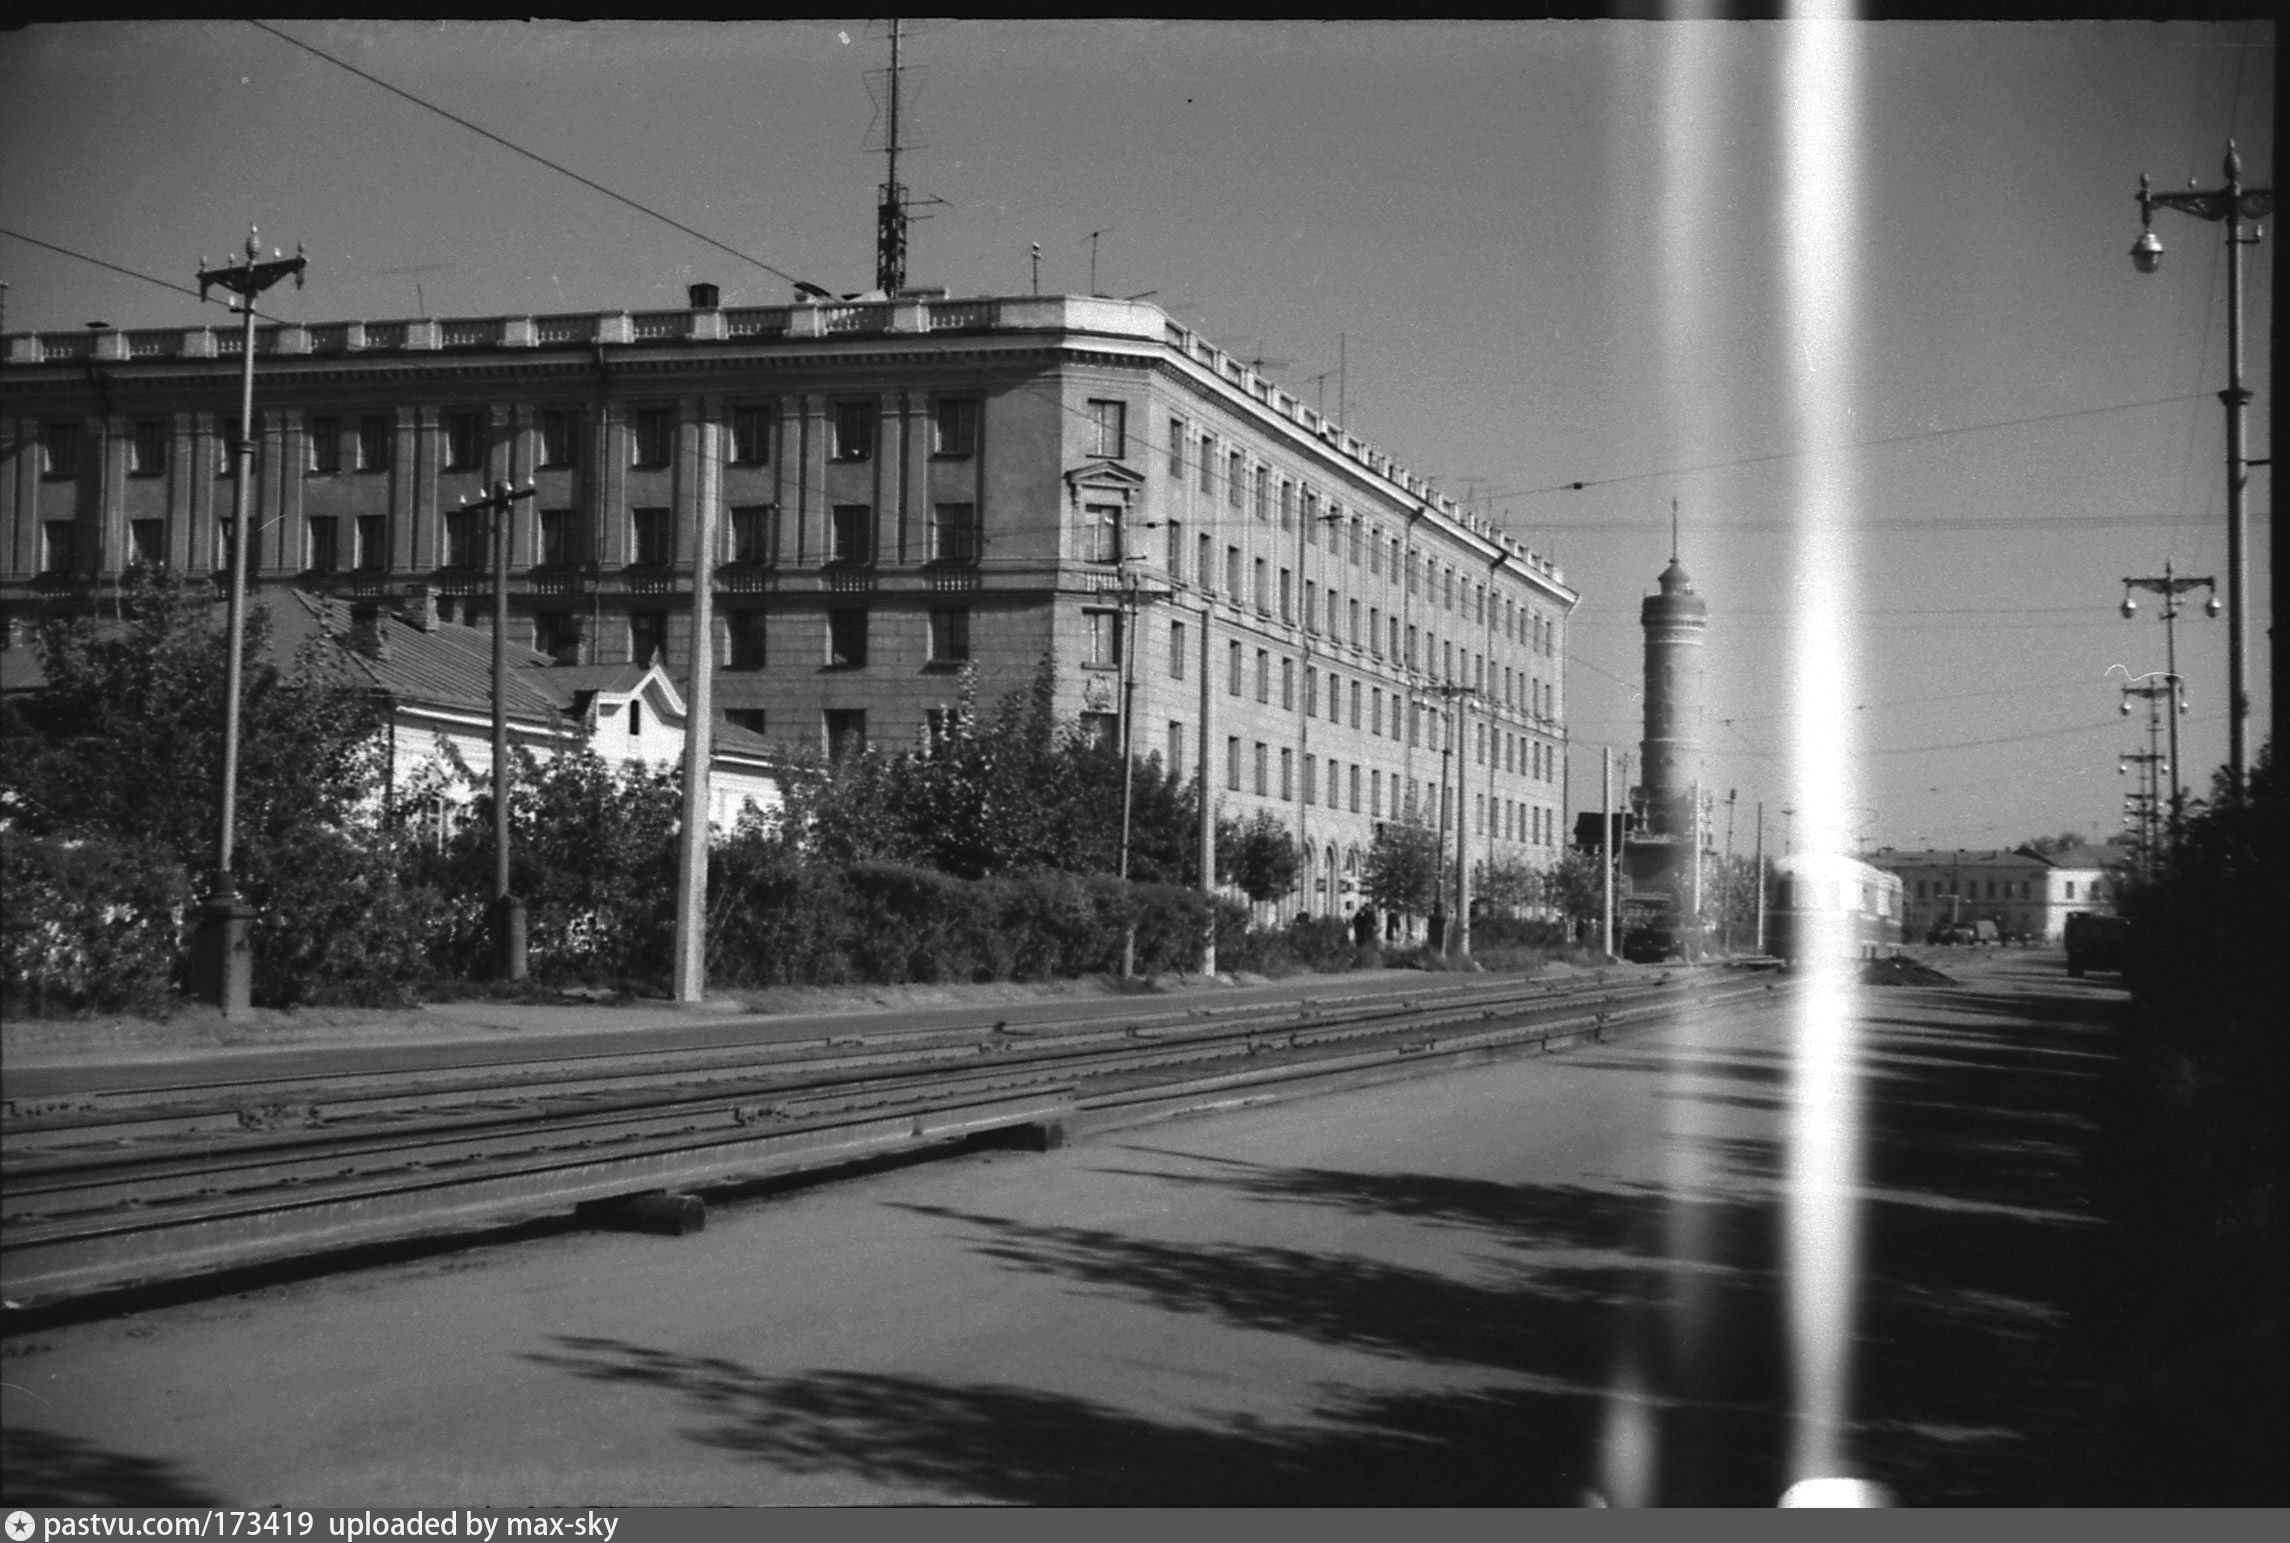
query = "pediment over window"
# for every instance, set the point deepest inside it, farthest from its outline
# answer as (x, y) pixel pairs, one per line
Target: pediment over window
(1102, 479)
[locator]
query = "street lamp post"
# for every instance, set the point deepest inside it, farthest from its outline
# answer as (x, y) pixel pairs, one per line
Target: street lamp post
(508, 910)
(2152, 690)
(2170, 586)
(2232, 203)
(223, 960)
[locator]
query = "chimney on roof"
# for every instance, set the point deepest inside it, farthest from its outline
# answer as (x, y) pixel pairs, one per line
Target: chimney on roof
(706, 297)
(421, 607)
(367, 634)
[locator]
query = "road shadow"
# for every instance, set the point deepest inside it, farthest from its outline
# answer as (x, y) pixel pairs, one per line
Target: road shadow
(1976, 1236)
(39, 1468)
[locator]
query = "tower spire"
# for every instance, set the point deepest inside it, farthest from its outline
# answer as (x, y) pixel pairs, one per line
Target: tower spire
(1673, 528)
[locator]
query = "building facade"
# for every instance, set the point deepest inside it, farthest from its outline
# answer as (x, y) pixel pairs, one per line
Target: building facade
(890, 494)
(2026, 894)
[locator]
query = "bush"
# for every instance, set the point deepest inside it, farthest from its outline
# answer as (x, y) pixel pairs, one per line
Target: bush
(88, 925)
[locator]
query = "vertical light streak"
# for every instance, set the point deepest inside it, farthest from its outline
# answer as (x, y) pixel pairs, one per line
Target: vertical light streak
(1821, 228)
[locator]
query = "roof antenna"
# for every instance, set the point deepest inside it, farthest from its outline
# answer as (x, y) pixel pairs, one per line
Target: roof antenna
(1673, 529)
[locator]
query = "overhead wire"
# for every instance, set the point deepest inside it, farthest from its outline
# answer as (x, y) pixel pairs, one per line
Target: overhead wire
(180, 289)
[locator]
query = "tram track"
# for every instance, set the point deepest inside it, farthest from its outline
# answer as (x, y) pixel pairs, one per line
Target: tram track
(108, 1190)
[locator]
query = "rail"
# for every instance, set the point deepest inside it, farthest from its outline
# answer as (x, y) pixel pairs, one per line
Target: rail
(109, 1190)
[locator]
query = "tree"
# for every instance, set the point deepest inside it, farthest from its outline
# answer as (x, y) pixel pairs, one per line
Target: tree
(1259, 855)
(123, 747)
(1573, 887)
(1508, 885)
(1403, 867)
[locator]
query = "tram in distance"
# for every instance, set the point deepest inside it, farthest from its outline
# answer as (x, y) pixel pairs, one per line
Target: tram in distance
(1861, 904)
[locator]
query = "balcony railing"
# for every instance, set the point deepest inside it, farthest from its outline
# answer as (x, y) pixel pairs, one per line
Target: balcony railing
(658, 326)
(858, 318)
(756, 321)
(961, 315)
(481, 332)
(154, 345)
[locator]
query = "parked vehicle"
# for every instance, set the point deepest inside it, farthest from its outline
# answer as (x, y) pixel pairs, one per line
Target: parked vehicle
(2096, 942)
(1857, 905)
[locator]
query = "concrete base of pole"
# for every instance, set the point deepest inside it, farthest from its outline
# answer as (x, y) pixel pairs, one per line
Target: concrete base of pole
(508, 922)
(222, 954)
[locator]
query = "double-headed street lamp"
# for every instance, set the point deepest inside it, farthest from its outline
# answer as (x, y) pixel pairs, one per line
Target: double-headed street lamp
(2232, 203)
(2170, 586)
(223, 963)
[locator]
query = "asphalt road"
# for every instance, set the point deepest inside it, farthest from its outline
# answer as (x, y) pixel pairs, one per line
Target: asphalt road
(1423, 1293)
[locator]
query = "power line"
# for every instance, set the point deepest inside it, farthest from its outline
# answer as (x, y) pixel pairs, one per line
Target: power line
(587, 182)
(1858, 444)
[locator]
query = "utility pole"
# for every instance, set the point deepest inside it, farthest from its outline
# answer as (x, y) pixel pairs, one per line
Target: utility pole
(699, 723)
(2170, 586)
(1728, 887)
(1606, 850)
(508, 919)
(223, 957)
(1758, 862)
(1208, 831)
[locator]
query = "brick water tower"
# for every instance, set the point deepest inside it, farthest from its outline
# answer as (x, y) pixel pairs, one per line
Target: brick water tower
(1660, 859)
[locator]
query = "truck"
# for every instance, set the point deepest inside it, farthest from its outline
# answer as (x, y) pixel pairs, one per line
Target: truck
(2096, 942)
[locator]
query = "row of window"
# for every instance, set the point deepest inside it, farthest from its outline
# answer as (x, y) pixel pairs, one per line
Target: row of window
(1513, 819)
(1509, 687)
(845, 637)
(1969, 889)
(1383, 551)
(556, 438)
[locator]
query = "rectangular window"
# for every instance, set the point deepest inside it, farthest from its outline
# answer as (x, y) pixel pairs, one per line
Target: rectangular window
(1288, 685)
(751, 435)
(1355, 787)
(1209, 472)
(1176, 449)
(1354, 607)
(1288, 774)
(1410, 643)
(1174, 557)
(1101, 731)
(555, 444)
(648, 637)
(954, 428)
(465, 441)
(1232, 671)
(1236, 476)
(1354, 526)
(846, 731)
(1375, 631)
(853, 534)
(59, 451)
(1355, 704)
(853, 432)
(1262, 502)
(950, 634)
(1232, 765)
(753, 719)
(1208, 571)
(954, 533)
(1263, 770)
(557, 634)
(325, 439)
(1263, 588)
(847, 639)
(1176, 650)
(1376, 794)
(1233, 590)
(1376, 718)
(324, 550)
(1109, 425)
(655, 538)
(556, 538)
(1288, 513)
(375, 435)
(653, 436)
(59, 546)
(464, 538)
(1311, 606)
(745, 633)
(147, 456)
(147, 543)
(1101, 533)
(1312, 691)
(1176, 748)
(1102, 638)
(1263, 675)
(373, 554)
(1287, 596)
(755, 533)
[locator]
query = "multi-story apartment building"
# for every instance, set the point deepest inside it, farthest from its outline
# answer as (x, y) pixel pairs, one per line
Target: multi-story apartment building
(897, 491)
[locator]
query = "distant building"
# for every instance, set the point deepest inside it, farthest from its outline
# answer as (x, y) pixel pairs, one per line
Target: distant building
(901, 490)
(2025, 893)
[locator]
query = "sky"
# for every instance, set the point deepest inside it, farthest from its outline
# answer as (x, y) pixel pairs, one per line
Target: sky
(1545, 253)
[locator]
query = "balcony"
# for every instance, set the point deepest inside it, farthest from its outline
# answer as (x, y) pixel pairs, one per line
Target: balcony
(849, 578)
(746, 578)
